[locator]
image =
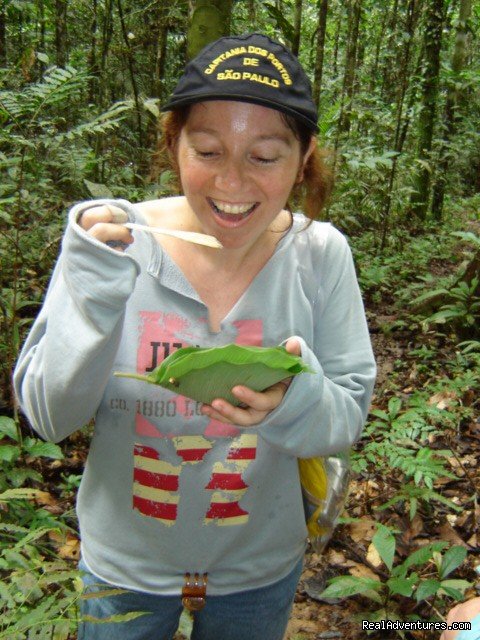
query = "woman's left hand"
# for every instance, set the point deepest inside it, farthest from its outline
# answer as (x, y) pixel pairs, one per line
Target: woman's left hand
(256, 405)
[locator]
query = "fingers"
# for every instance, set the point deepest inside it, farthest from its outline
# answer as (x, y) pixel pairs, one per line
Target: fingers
(258, 405)
(293, 346)
(265, 401)
(101, 223)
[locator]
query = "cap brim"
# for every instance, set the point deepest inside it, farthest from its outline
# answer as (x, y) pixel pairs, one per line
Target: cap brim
(198, 97)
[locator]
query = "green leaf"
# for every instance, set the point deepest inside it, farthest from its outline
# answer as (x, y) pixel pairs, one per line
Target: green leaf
(413, 508)
(38, 448)
(102, 593)
(419, 557)
(42, 57)
(32, 536)
(384, 543)
(457, 587)
(401, 586)
(468, 236)
(18, 494)
(9, 452)
(19, 475)
(452, 559)
(119, 617)
(426, 589)
(185, 624)
(345, 586)
(98, 190)
(8, 428)
(204, 374)
(379, 413)
(151, 105)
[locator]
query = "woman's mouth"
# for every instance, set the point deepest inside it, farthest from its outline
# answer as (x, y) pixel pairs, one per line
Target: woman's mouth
(232, 212)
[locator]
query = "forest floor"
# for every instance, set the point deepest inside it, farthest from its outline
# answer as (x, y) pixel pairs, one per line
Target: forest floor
(313, 618)
(348, 552)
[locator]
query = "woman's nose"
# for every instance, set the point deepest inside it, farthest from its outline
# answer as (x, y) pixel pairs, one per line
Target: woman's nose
(230, 175)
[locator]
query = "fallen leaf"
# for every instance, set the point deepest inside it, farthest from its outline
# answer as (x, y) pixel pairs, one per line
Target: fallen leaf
(70, 550)
(448, 533)
(463, 517)
(362, 530)
(373, 556)
(413, 528)
(336, 558)
(443, 399)
(473, 542)
(43, 498)
(68, 545)
(361, 571)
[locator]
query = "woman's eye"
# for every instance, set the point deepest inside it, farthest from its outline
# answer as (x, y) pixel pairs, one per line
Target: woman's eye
(206, 154)
(262, 160)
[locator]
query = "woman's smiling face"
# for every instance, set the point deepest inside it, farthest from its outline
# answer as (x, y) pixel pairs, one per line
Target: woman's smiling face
(238, 163)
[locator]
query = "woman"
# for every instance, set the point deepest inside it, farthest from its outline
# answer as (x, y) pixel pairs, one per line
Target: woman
(459, 616)
(175, 493)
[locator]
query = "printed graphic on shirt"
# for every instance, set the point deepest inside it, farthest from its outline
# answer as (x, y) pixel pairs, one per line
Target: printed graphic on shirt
(155, 485)
(228, 485)
(157, 482)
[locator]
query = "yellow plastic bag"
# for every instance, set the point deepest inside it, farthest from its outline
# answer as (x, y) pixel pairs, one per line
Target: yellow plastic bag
(324, 487)
(313, 478)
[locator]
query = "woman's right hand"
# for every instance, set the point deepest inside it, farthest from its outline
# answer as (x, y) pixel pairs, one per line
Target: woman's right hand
(463, 612)
(100, 223)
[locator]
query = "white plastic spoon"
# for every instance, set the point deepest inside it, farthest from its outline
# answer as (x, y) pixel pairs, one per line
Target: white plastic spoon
(119, 216)
(189, 236)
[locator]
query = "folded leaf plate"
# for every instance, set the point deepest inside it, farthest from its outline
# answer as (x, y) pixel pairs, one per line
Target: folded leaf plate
(204, 374)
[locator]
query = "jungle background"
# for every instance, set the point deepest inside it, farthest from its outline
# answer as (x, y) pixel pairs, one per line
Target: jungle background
(397, 84)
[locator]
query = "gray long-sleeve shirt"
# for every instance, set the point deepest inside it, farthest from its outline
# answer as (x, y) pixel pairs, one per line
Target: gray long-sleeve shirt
(166, 490)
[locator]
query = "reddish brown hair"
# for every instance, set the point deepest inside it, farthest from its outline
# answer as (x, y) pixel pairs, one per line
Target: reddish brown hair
(309, 195)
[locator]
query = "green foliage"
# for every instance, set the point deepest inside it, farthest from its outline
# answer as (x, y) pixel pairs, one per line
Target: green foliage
(460, 305)
(13, 452)
(411, 578)
(39, 589)
(36, 125)
(393, 441)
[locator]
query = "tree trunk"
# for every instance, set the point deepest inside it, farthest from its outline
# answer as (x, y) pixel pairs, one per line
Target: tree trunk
(210, 20)
(403, 76)
(453, 96)
(107, 33)
(426, 122)
(390, 57)
(3, 38)
(320, 49)
(42, 24)
(297, 25)
(131, 68)
(92, 56)
(252, 11)
(336, 47)
(61, 47)
(161, 51)
(379, 45)
(355, 11)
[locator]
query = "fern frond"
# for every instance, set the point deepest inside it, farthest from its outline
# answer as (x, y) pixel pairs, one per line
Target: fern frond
(105, 121)
(56, 87)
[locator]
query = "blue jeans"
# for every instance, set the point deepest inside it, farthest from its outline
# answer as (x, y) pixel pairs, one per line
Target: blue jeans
(258, 614)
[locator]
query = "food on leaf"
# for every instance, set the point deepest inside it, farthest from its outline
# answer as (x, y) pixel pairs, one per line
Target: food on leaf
(204, 374)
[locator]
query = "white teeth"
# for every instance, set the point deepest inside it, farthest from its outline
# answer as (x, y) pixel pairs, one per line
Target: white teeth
(235, 209)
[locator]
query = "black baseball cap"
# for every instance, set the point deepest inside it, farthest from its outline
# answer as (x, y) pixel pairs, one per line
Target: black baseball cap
(248, 68)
